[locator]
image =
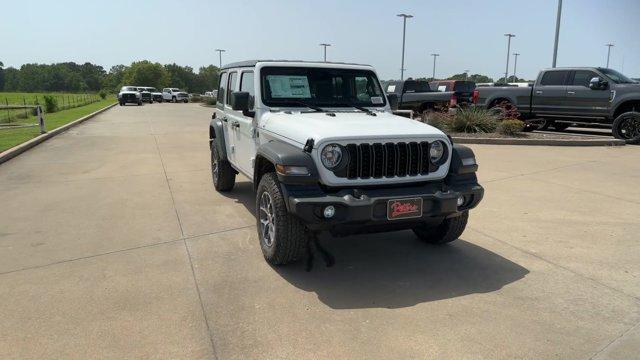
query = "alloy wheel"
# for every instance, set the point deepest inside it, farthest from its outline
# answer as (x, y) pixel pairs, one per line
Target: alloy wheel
(267, 220)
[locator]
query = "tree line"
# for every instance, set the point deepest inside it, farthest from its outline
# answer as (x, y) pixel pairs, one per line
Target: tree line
(88, 77)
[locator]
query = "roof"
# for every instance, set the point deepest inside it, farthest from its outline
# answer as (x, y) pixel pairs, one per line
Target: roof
(252, 63)
(573, 68)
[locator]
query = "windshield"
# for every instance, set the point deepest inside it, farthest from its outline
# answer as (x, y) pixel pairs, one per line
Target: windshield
(294, 86)
(152, 90)
(616, 77)
(129, 88)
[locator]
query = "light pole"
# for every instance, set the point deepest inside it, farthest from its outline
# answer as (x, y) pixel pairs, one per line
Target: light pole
(220, 51)
(404, 31)
(466, 74)
(515, 65)
(434, 65)
(325, 50)
(609, 46)
(555, 44)
(506, 71)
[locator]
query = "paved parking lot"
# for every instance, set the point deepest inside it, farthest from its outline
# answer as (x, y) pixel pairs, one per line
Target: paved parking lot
(113, 244)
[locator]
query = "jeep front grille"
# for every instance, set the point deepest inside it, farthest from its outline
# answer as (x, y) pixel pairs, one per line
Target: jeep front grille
(378, 160)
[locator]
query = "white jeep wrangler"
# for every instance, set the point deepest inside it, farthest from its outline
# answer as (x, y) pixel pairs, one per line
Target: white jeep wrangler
(325, 153)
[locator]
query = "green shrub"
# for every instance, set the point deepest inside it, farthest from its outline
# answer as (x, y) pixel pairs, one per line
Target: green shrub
(50, 104)
(196, 98)
(439, 120)
(103, 94)
(511, 127)
(210, 100)
(473, 120)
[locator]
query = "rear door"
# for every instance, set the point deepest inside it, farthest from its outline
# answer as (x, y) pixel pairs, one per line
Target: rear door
(550, 92)
(583, 102)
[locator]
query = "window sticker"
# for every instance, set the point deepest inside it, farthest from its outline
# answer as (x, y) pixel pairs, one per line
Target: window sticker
(391, 88)
(376, 100)
(442, 88)
(289, 86)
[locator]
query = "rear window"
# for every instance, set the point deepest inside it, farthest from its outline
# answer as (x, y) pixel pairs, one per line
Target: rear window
(416, 86)
(553, 78)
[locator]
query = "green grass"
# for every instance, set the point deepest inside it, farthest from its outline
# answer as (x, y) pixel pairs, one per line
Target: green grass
(20, 98)
(12, 137)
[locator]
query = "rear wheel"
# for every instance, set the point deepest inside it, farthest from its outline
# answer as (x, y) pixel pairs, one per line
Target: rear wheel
(222, 174)
(627, 127)
(173, 99)
(449, 230)
(282, 236)
(560, 126)
(139, 103)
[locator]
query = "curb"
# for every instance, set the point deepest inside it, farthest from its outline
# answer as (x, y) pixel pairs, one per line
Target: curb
(539, 142)
(19, 149)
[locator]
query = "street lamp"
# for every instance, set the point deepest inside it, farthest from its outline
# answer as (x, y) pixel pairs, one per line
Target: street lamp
(515, 65)
(506, 71)
(325, 50)
(555, 44)
(434, 65)
(466, 74)
(220, 51)
(609, 46)
(404, 30)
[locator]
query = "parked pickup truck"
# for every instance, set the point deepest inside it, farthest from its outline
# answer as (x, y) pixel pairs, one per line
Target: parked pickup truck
(174, 95)
(326, 155)
(420, 97)
(562, 96)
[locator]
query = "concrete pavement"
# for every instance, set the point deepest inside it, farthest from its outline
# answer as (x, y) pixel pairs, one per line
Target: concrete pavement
(113, 244)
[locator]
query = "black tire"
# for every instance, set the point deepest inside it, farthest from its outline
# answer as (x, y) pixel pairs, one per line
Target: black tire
(627, 127)
(289, 236)
(139, 103)
(543, 124)
(448, 231)
(121, 103)
(173, 99)
(186, 101)
(561, 126)
(222, 174)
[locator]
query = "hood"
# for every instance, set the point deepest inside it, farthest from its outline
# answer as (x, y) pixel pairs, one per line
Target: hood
(346, 125)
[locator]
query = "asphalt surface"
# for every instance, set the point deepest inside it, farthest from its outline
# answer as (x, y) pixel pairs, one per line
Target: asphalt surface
(113, 244)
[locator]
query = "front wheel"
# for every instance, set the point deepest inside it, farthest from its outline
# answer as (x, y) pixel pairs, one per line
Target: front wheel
(283, 237)
(627, 127)
(186, 101)
(561, 126)
(449, 230)
(173, 99)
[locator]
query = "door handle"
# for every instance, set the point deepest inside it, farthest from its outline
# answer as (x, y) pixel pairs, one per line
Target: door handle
(538, 92)
(571, 92)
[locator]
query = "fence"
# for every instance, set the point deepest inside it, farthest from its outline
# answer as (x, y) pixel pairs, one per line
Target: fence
(18, 107)
(37, 109)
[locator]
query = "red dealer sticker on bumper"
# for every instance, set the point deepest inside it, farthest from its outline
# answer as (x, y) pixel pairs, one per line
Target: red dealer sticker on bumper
(404, 208)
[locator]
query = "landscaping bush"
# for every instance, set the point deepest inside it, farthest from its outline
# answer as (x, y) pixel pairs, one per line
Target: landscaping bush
(103, 94)
(439, 120)
(510, 127)
(196, 98)
(473, 120)
(50, 104)
(210, 100)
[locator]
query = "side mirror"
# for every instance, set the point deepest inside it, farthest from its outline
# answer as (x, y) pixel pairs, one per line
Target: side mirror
(240, 102)
(393, 101)
(597, 83)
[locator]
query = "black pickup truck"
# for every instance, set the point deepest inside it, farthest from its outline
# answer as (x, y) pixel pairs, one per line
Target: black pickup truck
(420, 97)
(564, 96)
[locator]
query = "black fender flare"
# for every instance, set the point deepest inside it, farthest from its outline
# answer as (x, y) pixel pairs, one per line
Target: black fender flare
(281, 153)
(216, 138)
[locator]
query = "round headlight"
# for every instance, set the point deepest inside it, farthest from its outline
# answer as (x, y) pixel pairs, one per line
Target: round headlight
(436, 152)
(331, 156)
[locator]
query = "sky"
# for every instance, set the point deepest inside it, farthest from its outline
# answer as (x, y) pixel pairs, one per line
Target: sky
(467, 34)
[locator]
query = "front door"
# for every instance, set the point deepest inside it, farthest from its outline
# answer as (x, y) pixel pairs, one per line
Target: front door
(583, 102)
(242, 127)
(549, 93)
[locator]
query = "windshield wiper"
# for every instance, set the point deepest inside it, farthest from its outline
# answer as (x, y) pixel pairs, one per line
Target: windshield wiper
(296, 102)
(363, 109)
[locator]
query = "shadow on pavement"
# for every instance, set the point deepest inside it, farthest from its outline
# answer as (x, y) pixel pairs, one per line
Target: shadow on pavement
(395, 269)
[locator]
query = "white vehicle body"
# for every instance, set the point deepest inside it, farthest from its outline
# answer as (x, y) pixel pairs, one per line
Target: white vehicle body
(295, 125)
(129, 94)
(174, 95)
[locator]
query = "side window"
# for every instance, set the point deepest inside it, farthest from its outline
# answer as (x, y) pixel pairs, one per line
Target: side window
(410, 86)
(221, 90)
(583, 77)
(233, 78)
(246, 85)
(554, 78)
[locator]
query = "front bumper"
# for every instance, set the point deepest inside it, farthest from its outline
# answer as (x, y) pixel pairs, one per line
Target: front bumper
(365, 210)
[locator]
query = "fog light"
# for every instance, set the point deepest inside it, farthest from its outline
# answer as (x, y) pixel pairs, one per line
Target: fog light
(329, 211)
(461, 200)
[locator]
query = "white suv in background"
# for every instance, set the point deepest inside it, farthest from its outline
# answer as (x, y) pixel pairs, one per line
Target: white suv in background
(174, 95)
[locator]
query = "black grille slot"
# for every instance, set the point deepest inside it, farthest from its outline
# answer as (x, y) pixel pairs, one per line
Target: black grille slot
(377, 160)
